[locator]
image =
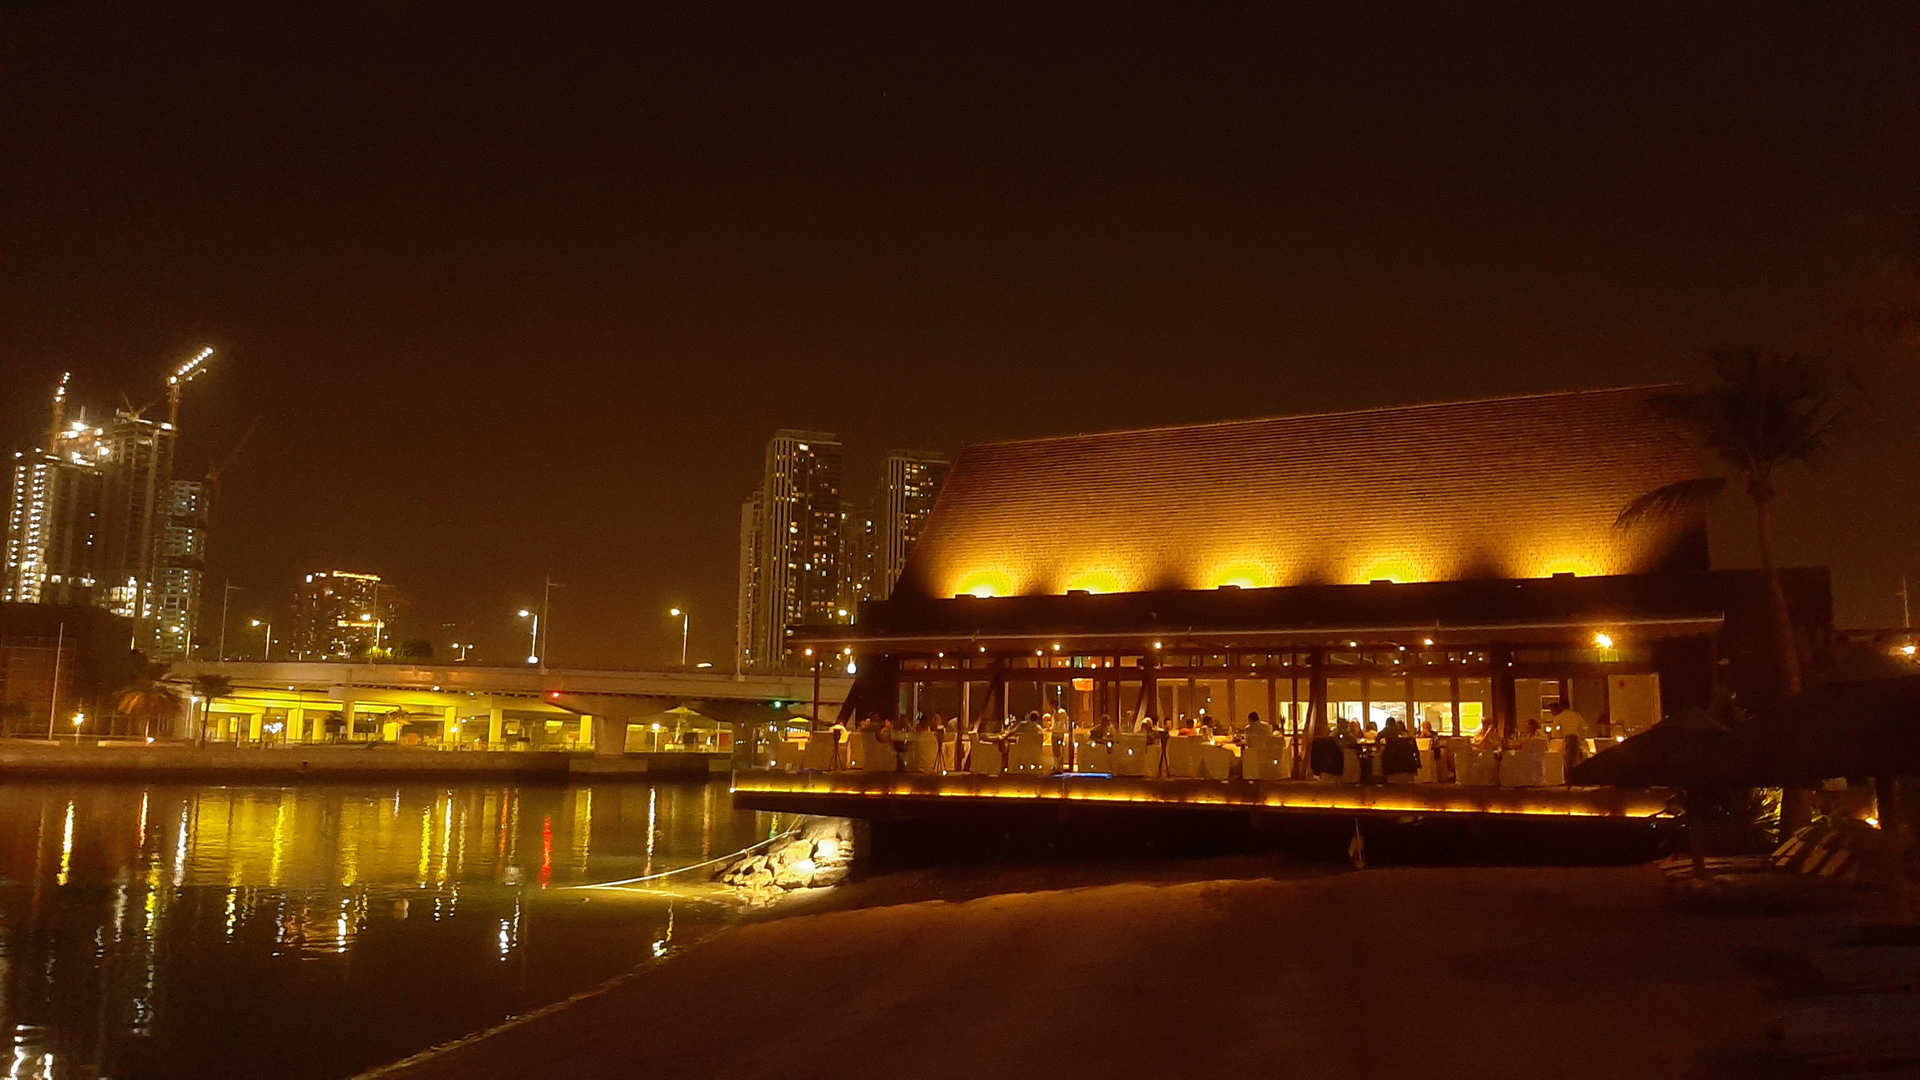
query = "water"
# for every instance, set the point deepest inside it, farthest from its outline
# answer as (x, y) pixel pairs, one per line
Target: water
(157, 931)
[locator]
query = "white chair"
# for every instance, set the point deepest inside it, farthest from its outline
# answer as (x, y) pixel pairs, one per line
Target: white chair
(1480, 768)
(820, 748)
(1268, 757)
(923, 753)
(1554, 768)
(1183, 756)
(1216, 762)
(787, 754)
(1028, 754)
(1525, 767)
(985, 760)
(1429, 762)
(1092, 757)
(877, 754)
(1129, 755)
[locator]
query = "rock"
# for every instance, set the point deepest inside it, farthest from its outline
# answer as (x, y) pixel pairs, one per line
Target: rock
(827, 829)
(757, 879)
(790, 853)
(828, 875)
(831, 851)
(798, 875)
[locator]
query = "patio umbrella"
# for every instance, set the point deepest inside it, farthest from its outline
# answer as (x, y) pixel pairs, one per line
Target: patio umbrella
(1688, 750)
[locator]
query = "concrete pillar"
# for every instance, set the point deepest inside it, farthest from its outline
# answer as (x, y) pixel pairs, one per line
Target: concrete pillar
(496, 728)
(296, 724)
(609, 736)
(450, 727)
(346, 719)
(584, 741)
(254, 724)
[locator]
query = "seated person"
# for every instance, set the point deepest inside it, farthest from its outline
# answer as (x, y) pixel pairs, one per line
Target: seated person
(1028, 726)
(1257, 728)
(1145, 724)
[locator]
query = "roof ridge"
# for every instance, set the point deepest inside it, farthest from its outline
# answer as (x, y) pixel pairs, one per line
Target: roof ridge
(1411, 407)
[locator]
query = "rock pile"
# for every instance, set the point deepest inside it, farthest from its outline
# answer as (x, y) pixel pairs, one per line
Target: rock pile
(817, 856)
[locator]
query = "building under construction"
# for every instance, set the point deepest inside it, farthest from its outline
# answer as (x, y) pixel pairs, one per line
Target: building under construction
(97, 518)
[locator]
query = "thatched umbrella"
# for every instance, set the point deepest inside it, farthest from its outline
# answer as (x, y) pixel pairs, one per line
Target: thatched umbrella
(1689, 750)
(1866, 727)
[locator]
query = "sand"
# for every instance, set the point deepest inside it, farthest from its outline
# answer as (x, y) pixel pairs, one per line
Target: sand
(1484, 973)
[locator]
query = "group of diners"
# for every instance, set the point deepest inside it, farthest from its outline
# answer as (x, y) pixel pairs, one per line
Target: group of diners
(1538, 752)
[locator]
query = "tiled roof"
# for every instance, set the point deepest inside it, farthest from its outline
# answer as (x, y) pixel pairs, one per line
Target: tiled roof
(1511, 487)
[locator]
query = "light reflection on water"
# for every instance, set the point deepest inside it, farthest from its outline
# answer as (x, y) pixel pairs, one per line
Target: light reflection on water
(168, 931)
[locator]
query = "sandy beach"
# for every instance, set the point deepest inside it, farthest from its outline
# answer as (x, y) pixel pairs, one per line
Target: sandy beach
(1206, 971)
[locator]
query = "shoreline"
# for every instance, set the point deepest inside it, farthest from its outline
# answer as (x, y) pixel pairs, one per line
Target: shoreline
(324, 763)
(1231, 967)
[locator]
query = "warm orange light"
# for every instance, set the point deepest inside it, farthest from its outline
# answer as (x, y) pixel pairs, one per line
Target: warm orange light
(1096, 582)
(985, 584)
(1603, 641)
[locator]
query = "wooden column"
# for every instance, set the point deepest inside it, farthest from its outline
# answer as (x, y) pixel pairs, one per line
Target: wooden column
(1504, 704)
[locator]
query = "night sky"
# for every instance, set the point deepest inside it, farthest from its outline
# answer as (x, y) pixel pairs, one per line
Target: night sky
(519, 289)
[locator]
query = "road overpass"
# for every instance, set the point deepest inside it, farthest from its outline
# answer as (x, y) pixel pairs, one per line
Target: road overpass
(454, 705)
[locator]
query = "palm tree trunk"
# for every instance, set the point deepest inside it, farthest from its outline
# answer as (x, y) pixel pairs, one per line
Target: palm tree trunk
(1786, 655)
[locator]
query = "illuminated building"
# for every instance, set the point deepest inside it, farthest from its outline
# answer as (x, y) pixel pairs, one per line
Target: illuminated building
(910, 482)
(96, 517)
(53, 517)
(180, 571)
(337, 615)
(797, 579)
(745, 653)
(1456, 564)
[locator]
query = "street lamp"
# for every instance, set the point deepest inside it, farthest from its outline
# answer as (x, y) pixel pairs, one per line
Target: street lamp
(533, 647)
(79, 718)
(463, 649)
(686, 618)
(266, 649)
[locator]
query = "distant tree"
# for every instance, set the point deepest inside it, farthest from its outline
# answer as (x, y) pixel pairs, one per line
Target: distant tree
(209, 688)
(413, 649)
(1765, 413)
(149, 697)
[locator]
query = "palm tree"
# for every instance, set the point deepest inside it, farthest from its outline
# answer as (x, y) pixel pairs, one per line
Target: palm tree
(1768, 411)
(208, 688)
(148, 698)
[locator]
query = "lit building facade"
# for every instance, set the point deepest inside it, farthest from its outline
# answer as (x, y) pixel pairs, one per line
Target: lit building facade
(794, 574)
(746, 641)
(180, 571)
(337, 615)
(910, 482)
(1454, 564)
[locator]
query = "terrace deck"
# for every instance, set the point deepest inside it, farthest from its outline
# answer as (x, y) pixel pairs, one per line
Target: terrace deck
(866, 794)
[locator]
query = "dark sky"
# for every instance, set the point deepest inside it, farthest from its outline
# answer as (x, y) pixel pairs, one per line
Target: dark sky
(524, 288)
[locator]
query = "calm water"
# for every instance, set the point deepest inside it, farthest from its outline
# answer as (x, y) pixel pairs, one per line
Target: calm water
(166, 931)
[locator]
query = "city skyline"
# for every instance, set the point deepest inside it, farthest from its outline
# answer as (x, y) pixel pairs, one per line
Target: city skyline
(449, 348)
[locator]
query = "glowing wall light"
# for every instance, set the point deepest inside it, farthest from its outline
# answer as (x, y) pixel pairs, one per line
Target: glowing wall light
(1242, 575)
(985, 583)
(1096, 581)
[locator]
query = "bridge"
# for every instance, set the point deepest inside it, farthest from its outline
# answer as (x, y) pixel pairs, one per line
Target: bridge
(454, 705)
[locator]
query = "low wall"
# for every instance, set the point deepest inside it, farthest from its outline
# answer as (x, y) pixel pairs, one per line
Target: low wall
(292, 764)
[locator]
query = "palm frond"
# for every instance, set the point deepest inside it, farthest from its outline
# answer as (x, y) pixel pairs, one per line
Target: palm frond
(1673, 500)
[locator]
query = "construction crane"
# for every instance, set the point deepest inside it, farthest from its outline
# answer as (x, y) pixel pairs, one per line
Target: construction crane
(215, 469)
(180, 379)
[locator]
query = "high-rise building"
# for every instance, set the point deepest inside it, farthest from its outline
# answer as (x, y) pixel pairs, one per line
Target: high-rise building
(97, 518)
(337, 615)
(798, 578)
(181, 566)
(53, 519)
(745, 650)
(910, 481)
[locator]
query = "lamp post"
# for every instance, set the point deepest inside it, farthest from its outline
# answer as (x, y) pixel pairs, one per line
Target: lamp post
(686, 619)
(79, 718)
(266, 647)
(463, 650)
(533, 645)
(225, 596)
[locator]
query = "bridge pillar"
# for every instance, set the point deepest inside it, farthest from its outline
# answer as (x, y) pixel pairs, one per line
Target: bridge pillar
(254, 724)
(496, 728)
(346, 719)
(450, 727)
(609, 735)
(296, 724)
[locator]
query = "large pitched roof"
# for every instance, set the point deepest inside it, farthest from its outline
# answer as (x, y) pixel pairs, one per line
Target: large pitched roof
(1512, 487)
